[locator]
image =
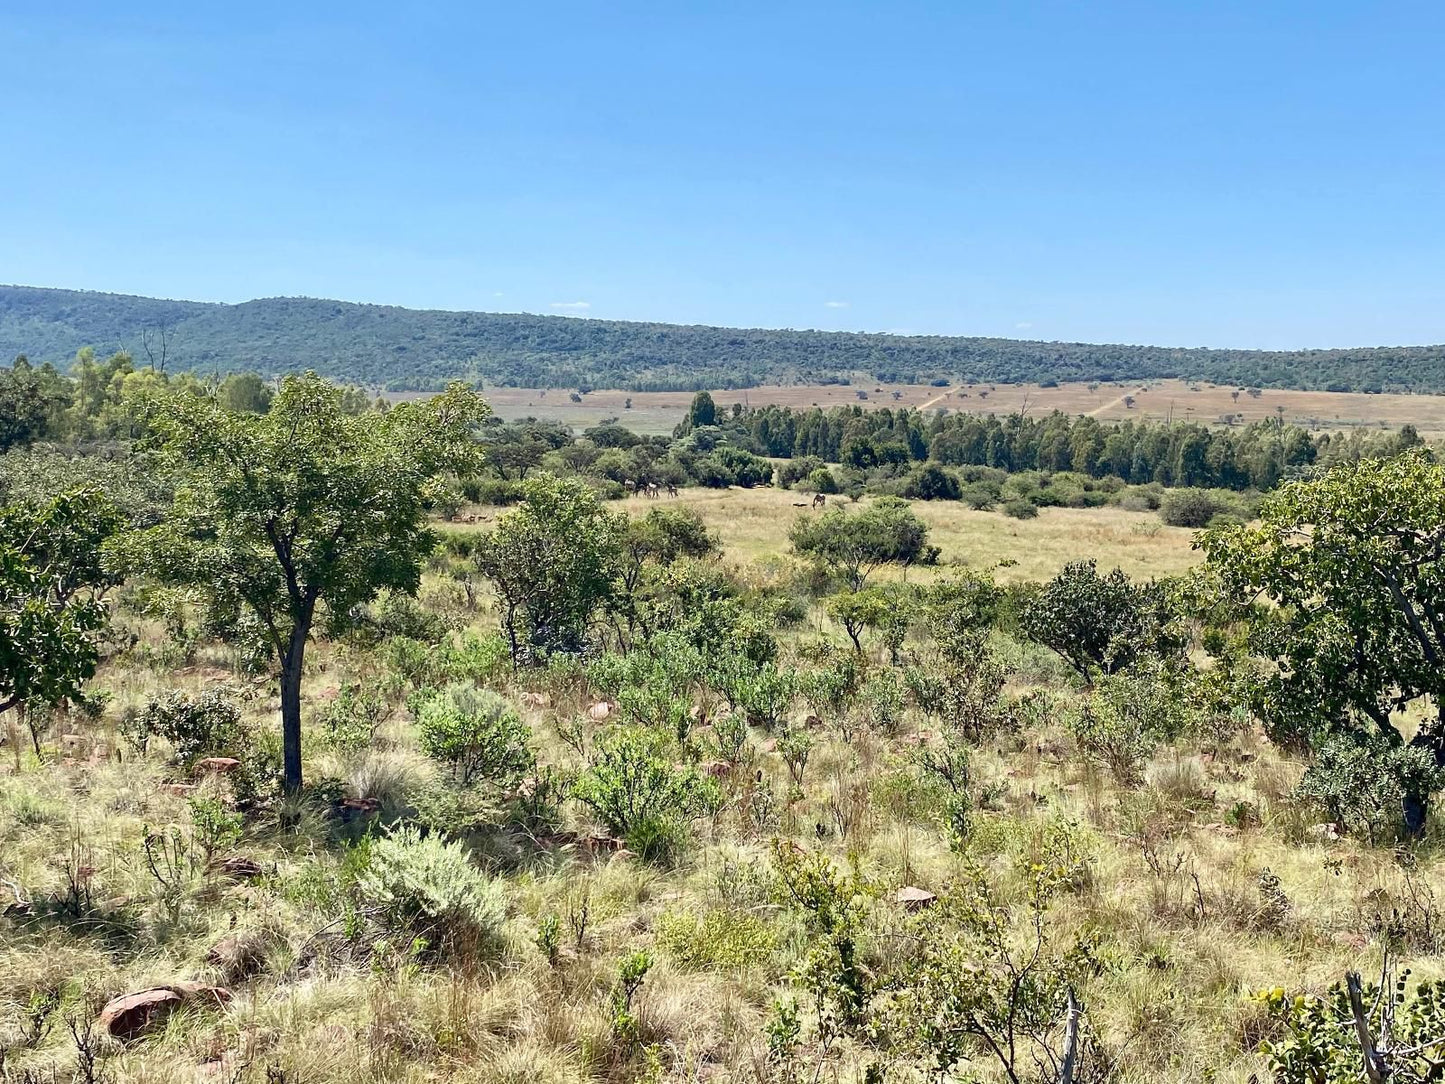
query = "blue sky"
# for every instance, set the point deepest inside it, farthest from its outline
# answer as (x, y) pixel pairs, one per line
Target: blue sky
(1213, 173)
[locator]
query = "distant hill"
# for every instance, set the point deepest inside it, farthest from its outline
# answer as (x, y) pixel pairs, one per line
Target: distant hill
(420, 349)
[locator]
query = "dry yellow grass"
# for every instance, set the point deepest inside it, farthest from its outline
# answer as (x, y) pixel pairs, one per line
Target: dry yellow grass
(753, 525)
(1158, 400)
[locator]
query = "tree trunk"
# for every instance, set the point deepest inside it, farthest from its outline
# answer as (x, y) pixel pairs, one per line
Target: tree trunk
(14, 732)
(291, 705)
(1416, 803)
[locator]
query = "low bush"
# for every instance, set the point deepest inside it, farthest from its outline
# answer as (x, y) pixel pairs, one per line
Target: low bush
(476, 733)
(422, 886)
(195, 727)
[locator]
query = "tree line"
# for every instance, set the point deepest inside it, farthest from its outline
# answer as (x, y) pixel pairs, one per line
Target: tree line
(1254, 456)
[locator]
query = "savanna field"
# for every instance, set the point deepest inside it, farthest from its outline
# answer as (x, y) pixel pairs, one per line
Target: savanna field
(352, 743)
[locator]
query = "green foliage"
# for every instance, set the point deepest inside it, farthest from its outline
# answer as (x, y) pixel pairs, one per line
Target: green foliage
(553, 560)
(1189, 508)
(849, 547)
(961, 684)
(972, 991)
(51, 582)
(476, 732)
(426, 887)
(304, 509)
(1020, 508)
(630, 973)
(1100, 624)
(1127, 715)
(833, 905)
(722, 939)
(374, 344)
(1352, 563)
(1321, 1043)
(932, 483)
(216, 827)
(631, 786)
(1359, 781)
(205, 725)
(549, 937)
(349, 722)
(884, 609)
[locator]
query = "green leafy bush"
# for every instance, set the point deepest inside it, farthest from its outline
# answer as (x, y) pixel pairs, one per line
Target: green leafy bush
(1189, 508)
(633, 789)
(476, 732)
(195, 727)
(1020, 508)
(1360, 781)
(722, 939)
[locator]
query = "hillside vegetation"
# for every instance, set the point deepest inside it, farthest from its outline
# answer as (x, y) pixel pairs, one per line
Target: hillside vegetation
(423, 349)
(319, 767)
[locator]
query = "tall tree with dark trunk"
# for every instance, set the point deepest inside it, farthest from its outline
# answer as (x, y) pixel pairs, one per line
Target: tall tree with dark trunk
(1354, 566)
(304, 511)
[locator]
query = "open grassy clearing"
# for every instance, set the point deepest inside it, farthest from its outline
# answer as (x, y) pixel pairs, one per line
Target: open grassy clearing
(753, 525)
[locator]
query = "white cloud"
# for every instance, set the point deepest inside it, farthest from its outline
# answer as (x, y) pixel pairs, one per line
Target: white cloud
(835, 304)
(1023, 325)
(571, 306)
(499, 294)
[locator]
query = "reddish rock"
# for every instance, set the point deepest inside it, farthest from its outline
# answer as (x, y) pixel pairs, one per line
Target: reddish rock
(770, 745)
(915, 899)
(361, 805)
(599, 711)
(128, 1016)
(716, 768)
(217, 765)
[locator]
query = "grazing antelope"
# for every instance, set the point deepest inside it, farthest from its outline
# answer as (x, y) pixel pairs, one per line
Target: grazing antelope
(671, 490)
(819, 500)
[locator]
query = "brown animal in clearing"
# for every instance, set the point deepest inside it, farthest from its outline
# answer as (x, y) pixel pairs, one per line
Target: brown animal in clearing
(819, 500)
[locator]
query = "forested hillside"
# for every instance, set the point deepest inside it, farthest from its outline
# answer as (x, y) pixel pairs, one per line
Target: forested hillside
(422, 349)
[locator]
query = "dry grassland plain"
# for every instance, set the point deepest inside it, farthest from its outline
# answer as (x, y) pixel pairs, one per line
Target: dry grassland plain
(753, 525)
(1208, 404)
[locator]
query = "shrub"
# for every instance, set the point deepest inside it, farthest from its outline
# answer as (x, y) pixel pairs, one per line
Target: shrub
(195, 727)
(632, 788)
(721, 939)
(1126, 718)
(1360, 783)
(1020, 508)
(822, 480)
(476, 732)
(932, 483)
(1189, 508)
(426, 887)
(979, 496)
(792, 471)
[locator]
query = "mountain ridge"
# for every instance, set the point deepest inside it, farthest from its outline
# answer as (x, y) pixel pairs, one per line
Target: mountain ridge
(418, 349)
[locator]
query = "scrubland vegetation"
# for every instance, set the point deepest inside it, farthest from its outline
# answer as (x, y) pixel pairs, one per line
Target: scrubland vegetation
(399, 745)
